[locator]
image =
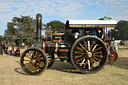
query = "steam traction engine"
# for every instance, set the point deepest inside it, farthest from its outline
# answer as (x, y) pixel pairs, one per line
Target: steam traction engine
(83, 45)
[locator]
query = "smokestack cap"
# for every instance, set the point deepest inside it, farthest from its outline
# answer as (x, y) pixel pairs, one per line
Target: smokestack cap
(38, 16)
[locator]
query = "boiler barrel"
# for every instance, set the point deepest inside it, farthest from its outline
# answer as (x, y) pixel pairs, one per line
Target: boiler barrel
(53, 47)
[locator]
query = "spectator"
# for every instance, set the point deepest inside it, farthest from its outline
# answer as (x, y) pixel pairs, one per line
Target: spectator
(1, 48)
(17, 52)
(10, 50)
(122, 42)
(114, 44)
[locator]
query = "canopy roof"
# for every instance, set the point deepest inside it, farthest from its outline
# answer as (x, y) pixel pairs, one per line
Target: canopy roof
(90, 23)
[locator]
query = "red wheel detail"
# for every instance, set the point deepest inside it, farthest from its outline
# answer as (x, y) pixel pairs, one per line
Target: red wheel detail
(114, 56)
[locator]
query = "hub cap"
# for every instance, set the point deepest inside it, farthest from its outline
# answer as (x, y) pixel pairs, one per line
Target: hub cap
(89, 54)
(33, 61)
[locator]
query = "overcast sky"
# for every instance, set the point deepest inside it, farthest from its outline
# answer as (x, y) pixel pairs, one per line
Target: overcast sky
(62, 10)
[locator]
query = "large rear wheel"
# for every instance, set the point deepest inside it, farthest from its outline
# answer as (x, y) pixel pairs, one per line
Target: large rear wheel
(88, 54)
(33, 61)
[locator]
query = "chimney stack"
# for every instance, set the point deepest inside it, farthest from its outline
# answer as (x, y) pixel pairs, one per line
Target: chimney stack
(38, 27)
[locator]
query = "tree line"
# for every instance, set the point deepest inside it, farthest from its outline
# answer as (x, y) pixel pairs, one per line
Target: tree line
(121, 31)
(25, 27)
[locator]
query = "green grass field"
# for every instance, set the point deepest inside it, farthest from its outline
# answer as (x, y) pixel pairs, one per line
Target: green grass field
(126, 45)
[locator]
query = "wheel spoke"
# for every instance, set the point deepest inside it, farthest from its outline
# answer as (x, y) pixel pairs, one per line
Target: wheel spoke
(40, 66)
(98, 56)
(39, 55)
(34, 68)
(30, 55)
(98, 53)
(80, 59)
(27, 63)
(79, 53)
(88, 64)
(31, 68)
(35, 54)
(92, 45)
(79, 56)
(82, 62)
(80, 49)
(27, 55)
(92, 64)
(97, 49)
(40, 59)
(26, 60)
(85, 44)
(97, 59)
(85, 63)
(82, 46)
(88, 45)
(95, 62)
(37, 67)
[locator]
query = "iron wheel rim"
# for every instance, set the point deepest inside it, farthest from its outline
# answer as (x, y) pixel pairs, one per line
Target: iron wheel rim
(33, 61)
(81, 60)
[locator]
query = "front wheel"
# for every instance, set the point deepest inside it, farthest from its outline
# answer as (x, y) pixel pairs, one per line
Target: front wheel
(88, 54)
(33, 61)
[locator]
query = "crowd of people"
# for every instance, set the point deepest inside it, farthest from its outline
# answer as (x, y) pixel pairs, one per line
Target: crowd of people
(9, 50)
